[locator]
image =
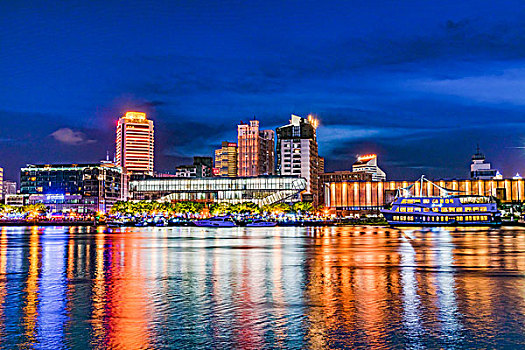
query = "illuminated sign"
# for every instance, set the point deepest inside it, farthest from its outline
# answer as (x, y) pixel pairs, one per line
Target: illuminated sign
(135, 115)
(55, 197)
(366, 157)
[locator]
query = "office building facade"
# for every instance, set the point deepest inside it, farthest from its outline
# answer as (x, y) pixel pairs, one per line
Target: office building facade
(297, 153)
(255, 150)
(135, 143)
(82, 188)
(226, 160)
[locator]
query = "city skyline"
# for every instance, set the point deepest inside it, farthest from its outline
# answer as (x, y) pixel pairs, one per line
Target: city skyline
(428, 83)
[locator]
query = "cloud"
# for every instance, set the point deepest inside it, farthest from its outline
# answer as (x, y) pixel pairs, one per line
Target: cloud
(71, 137)
(507, 86)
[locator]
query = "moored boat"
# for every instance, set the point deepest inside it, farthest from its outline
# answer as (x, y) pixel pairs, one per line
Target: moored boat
(261, 223)
(219, 221)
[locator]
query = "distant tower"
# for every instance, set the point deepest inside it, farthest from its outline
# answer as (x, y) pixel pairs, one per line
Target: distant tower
(479, 170)
(135, 142)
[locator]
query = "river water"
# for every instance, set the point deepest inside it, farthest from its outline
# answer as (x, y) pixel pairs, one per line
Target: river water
(253, 288)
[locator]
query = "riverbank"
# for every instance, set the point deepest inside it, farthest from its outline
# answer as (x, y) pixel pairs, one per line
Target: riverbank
(191, 224)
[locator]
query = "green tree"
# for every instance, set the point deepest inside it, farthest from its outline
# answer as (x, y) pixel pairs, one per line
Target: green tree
(277, 208)
(303, 207)
(219, 209)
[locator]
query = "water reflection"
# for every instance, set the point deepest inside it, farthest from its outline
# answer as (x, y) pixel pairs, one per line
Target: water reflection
(334, 287)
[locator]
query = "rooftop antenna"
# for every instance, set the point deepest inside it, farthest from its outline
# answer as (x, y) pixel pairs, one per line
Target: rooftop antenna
(107, 155)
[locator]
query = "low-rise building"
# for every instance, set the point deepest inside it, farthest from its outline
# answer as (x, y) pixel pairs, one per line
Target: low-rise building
(16, 200)
(83, 188)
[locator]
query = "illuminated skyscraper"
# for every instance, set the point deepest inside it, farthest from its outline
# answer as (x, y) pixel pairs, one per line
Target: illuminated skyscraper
(297, 152)
(255, 150)
(135, 142)
(226, 159)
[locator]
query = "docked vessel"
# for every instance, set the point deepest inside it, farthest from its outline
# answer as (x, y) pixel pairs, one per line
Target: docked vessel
(261, 223)
(447, 210)
(220, 221)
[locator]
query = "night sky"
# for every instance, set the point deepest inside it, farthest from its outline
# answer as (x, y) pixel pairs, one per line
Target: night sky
(418, 82)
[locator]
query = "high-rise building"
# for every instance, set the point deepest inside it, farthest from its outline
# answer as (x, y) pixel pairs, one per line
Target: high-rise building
(255, 150)
(226, 160)
(297, 152)
(368, 164)
(135, 143)
(479, 170)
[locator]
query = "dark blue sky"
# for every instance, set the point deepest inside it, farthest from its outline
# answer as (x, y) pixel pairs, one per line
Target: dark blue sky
(418, 82)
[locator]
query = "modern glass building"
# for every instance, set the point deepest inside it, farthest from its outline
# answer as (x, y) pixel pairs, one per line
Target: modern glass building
(261, 190)
(82, 188)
